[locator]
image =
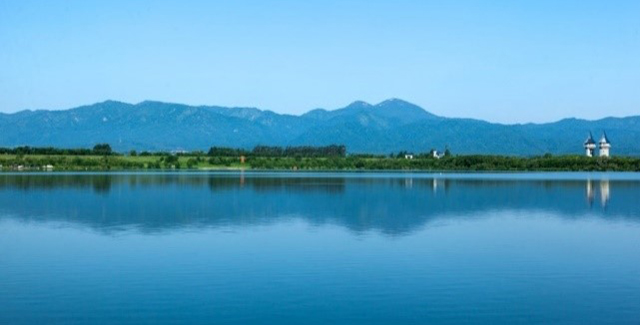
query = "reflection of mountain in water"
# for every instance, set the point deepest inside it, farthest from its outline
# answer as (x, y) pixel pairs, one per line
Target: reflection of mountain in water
(393, 205)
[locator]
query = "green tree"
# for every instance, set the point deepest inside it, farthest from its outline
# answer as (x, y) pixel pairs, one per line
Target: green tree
(192, 162)
(103, 149)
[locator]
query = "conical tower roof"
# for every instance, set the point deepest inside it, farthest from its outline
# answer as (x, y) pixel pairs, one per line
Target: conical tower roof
(590, 140)
(604, 139)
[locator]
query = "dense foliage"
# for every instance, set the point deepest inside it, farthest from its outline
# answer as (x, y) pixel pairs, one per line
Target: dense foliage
(453, 163)
(295, 158)
(276, 151)
(99, 149)
(302, 151)
(227, 152)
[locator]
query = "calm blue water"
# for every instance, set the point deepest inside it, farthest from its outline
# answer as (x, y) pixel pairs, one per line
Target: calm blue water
(335, 248)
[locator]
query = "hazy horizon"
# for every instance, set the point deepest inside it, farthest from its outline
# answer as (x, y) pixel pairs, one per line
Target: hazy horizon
(495, 61)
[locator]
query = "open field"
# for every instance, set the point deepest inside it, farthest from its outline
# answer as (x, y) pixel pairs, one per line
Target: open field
(94, 162)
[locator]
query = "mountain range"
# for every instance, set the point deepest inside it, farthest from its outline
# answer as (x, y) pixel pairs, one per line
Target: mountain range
(390, 126)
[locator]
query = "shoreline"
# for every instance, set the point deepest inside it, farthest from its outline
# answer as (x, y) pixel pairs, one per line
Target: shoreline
(233, 171)
(207, 163)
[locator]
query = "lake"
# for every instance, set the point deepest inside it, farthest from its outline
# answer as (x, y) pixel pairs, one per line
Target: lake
(319, 248)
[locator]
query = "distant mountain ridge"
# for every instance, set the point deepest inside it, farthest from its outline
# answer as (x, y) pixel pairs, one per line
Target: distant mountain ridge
(390, 126)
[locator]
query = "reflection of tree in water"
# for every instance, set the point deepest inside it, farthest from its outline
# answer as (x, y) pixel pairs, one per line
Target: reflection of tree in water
(393, 205)
(324, 184)
(101, 183)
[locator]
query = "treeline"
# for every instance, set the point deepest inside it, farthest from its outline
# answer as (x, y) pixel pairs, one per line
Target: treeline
(258, 151)
(276, 151)
(102, 149)
(302, 151)
(333, 157)
(452, 163)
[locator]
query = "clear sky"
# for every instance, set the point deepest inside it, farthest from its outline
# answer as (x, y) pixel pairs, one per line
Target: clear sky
(503, 61)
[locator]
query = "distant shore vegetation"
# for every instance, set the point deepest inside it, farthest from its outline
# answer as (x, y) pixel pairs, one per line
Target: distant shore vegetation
(334, 157)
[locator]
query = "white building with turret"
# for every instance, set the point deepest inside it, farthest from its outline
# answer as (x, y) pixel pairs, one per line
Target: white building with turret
(604, 145)
(590, 145)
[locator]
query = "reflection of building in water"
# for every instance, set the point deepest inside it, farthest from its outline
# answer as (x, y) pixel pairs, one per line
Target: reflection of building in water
(604, 192)
(590, 192)
(408, 182)
(437, 183)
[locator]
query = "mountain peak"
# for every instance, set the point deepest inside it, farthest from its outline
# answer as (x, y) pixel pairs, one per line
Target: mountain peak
(104, 105)
(155, 103)
(359, 103)
(394, 101)
(110, 102)
(404, 110)
(149, 102)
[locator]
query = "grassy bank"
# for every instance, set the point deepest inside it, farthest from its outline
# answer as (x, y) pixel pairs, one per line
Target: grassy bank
(11, 162)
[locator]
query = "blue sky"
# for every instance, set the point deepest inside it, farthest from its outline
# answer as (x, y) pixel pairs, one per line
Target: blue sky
(503, 61)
